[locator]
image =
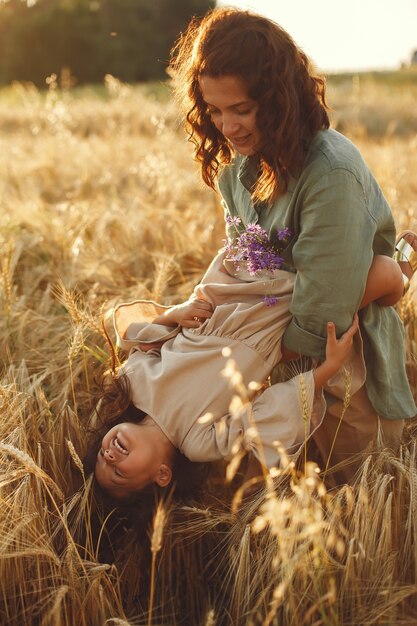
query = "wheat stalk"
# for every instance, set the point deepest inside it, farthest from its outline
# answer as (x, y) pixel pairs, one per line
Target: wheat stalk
(305, 413)
(6, 274)
(156, 544)
(30, 465)
(347, 380)
(75, 457)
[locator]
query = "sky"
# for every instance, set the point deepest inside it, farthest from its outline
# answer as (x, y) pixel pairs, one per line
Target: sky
(342, 36)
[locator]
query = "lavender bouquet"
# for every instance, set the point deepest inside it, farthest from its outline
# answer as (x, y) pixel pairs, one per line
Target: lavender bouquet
(252, 251)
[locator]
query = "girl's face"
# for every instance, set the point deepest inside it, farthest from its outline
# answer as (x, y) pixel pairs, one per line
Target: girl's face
(131, 457)
(232, 111)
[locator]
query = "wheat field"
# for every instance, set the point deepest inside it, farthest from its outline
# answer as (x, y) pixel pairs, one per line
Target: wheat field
(101, 202)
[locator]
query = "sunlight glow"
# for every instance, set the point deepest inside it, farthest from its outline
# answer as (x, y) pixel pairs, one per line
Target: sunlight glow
(375, 34)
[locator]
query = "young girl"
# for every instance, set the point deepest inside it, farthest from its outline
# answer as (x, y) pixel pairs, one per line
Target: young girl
(257, 115)
(174, 374)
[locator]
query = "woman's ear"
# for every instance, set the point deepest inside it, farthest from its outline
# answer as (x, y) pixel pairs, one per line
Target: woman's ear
(164, 475)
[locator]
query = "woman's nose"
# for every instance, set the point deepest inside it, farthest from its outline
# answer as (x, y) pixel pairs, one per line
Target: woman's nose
(229, 125)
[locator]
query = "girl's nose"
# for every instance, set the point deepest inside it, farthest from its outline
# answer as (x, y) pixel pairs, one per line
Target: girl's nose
(109, 456)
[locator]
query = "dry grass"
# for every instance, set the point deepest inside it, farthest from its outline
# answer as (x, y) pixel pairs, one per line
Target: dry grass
(100, 202)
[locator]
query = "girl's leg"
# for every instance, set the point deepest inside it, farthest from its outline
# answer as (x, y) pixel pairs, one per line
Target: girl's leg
(385, 284)
(387, 278)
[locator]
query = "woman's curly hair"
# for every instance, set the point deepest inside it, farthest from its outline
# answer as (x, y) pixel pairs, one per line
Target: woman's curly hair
(279, 77)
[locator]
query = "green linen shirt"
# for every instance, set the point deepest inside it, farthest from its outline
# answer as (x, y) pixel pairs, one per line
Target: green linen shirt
(339, 219)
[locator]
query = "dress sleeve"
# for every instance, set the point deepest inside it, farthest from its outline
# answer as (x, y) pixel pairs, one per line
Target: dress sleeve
(132, 322)
(332, 257)
(283, 416)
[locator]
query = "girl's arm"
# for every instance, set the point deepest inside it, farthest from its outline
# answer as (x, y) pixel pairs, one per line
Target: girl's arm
(190, 314)
(134, 322)
(337, 351)
(280, 413)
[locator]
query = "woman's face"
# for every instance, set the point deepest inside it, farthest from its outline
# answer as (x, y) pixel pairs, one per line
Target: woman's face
(232, 111)
(130, 458)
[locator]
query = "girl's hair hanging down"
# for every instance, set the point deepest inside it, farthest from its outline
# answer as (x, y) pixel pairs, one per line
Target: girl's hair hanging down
(278, 75)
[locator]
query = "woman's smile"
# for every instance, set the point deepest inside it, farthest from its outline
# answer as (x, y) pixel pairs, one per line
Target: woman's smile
(240, 141)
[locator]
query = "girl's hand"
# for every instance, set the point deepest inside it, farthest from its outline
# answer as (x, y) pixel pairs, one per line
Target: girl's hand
(337, 351)
(190, 314)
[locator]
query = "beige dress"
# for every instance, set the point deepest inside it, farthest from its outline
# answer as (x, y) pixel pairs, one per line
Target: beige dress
(182, 385)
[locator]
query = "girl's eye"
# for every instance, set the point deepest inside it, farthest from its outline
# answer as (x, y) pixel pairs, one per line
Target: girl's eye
(211, 112)
(117, 473)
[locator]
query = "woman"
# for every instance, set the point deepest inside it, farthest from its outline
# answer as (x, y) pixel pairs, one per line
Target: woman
(256, 114)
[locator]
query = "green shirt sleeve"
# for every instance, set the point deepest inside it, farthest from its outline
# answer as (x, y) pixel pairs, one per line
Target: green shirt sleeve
(332, 256)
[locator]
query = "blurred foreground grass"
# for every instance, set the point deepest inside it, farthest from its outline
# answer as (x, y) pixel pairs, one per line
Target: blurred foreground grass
(100, 202)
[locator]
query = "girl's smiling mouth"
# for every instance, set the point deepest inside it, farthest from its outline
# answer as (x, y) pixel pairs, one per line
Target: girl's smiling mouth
(117, 443)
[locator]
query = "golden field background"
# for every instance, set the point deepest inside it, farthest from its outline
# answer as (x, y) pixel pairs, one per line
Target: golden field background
(100, 202)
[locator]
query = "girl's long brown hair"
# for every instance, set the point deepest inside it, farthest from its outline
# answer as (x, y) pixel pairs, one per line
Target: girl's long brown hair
(279, 77)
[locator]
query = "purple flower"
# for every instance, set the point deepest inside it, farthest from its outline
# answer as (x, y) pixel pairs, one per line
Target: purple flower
(269, 300)
(283, 233)
(233, 220)
(254, 247)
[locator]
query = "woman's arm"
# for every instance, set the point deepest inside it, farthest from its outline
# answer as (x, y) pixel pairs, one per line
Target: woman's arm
(332, 257)
(384, 285)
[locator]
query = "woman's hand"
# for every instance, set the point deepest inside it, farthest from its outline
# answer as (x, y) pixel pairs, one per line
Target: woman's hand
(190, 314)
(337, 351)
